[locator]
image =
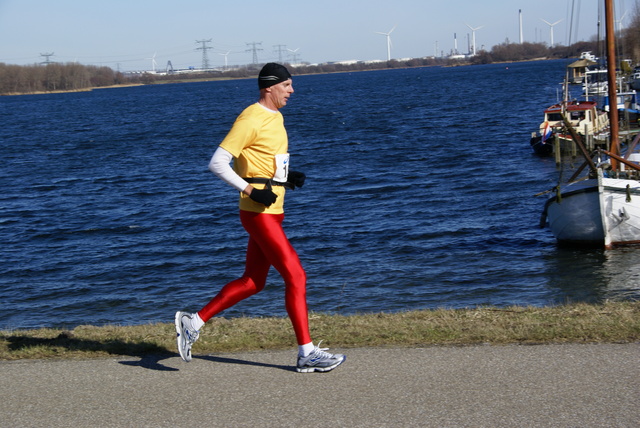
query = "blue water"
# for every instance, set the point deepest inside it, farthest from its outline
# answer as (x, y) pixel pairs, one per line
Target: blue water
(420, 194)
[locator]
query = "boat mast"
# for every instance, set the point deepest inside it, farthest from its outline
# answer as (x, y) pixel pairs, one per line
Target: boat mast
(611, 74)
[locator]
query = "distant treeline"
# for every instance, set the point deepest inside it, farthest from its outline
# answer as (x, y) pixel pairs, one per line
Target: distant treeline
(16, 79)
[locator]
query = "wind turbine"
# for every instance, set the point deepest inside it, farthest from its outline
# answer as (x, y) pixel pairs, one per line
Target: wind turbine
(225, 58)
(619, 21)
(153, 62)
(551, 28)
(294, 55)
(388, 35)
(473, 36)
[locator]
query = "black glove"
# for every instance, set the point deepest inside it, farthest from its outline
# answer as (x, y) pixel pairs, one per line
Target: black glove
(296, 178)
(263, 196)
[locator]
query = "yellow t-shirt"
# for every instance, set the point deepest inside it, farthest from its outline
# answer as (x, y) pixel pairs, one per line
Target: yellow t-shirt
(255, 138)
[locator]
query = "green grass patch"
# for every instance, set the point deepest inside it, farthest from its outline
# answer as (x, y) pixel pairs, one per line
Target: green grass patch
(610, 322)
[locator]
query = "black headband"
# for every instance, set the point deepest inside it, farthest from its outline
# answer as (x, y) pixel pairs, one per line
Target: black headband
(272, 74)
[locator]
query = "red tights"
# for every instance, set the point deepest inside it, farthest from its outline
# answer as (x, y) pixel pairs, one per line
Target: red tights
(268, 246)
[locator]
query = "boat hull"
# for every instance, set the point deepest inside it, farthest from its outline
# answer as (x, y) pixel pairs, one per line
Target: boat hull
(620, 200)
(541, 148)
(575, 217)
(603, 211)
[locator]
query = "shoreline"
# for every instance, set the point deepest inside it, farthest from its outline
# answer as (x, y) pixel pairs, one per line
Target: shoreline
(71, 91)
(608, 322)
(218, 78)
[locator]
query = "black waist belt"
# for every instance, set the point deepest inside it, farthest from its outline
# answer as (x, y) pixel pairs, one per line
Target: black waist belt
(260, 180)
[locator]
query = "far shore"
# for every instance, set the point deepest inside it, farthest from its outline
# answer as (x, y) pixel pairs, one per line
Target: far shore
(70, 91)
(161, 81)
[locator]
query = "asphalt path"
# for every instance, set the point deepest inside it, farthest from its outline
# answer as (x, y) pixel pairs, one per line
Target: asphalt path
(476, 386)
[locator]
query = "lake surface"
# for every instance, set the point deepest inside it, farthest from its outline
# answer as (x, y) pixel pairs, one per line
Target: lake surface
(420, 194)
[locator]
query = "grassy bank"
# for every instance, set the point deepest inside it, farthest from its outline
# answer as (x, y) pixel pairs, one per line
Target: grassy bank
(578, 323)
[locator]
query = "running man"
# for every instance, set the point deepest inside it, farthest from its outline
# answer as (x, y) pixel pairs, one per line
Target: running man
(258, 145)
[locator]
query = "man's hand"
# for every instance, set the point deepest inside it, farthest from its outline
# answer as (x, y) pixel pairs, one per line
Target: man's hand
(263, 196)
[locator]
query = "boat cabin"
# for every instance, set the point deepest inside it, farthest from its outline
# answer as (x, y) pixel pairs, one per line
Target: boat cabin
(625, 101)
(584, 116)
(595, 83)
(578, 69)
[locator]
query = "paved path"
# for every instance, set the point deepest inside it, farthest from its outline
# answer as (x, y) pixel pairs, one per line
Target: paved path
(479, 386)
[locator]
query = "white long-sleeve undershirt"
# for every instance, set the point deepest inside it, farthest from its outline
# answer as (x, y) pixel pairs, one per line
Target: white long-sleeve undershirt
(220, 165)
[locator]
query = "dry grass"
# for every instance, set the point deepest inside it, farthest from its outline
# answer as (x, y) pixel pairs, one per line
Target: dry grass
(579, 323)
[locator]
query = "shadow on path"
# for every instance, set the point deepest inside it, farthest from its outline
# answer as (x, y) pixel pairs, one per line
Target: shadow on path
(150, 354)
(227, 360)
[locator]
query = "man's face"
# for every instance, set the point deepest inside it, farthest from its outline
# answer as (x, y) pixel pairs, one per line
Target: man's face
(279, 94)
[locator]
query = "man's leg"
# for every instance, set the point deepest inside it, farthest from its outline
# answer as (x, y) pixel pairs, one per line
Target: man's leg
(251, 282)
(266, 230)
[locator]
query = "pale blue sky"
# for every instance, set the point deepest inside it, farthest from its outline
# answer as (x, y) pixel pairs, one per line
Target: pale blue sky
(126, 34)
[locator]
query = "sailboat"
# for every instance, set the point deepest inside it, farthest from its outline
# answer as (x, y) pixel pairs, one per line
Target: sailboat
(603, 207)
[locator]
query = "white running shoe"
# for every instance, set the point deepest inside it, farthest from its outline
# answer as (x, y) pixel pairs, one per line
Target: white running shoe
(319, 361)
(186, 334)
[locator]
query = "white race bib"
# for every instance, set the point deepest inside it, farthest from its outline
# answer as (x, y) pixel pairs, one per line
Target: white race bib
(282, 167)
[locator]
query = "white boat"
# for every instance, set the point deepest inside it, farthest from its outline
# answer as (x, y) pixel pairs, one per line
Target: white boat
(601, 211)
(588, 56)
(604, 207)
(585, 117)
(595, 83)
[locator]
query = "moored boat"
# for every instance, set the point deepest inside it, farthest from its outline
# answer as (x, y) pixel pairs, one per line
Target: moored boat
(601, 211)
(624, 101)
(584, 116)
(602, 208)
(595, 83)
